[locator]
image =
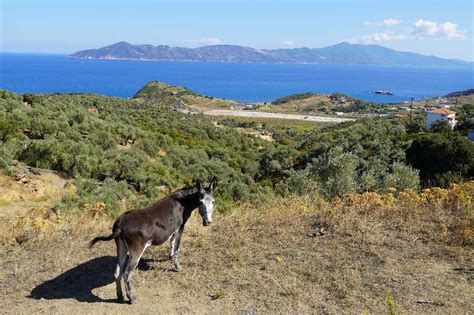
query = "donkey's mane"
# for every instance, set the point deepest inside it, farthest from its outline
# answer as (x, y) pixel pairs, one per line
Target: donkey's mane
(184, 192)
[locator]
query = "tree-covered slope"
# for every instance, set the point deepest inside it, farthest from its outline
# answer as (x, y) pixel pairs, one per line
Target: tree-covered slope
(146, 146)
(132, 151)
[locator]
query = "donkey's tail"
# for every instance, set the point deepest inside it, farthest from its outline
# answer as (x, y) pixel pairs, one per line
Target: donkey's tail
(115, 233)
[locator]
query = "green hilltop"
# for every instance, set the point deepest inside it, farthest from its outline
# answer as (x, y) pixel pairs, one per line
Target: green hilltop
(176, 96)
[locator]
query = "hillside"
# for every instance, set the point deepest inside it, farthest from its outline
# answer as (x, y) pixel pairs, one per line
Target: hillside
(369, 253)
(180, 98)
(184, 100)
(28, 188)
(467, 92)
(316, 103)
(340, 104)
(144, 144)
(459, 101)
(371, 215)
(465, 97)
(342, 53)
(177, 97)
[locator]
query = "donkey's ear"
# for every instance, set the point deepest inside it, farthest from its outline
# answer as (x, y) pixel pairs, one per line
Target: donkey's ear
(213, 184)
(198, 185)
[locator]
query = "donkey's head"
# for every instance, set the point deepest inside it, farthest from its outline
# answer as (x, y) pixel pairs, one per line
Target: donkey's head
(206, 201)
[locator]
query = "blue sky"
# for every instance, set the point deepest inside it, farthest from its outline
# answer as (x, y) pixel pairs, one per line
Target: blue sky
(442, 28)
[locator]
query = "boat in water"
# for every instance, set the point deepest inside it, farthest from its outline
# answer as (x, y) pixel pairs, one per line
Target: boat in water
(381, 92)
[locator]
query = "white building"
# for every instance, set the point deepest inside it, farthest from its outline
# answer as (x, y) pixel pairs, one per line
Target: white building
(441, 114)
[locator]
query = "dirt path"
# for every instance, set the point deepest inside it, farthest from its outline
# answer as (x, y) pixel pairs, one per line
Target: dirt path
(243, 113)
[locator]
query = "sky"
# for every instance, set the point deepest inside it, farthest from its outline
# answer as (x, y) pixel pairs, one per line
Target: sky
(430, 27)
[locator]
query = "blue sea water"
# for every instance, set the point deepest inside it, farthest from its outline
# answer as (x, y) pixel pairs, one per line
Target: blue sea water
(40, 73)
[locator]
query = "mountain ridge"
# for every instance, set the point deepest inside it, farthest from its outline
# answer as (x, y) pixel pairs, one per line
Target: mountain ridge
(341, 53)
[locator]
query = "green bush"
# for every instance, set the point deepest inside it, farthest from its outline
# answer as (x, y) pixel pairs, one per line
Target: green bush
(336, 171)
(441, 125)
(300, 183)
(373, 175)
(442, 158)
(115, 195)
(403, 177)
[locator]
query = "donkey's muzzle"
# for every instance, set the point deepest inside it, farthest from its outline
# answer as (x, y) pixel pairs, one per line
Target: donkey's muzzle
(206, 223)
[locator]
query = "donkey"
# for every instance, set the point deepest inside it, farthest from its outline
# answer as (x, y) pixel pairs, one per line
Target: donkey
(135, 230)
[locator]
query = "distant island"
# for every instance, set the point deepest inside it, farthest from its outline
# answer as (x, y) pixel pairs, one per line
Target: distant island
(342, 53)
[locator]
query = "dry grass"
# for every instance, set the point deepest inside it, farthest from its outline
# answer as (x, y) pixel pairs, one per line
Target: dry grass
(289, 255)
(193, 99)
(309, 104)
(26, 189)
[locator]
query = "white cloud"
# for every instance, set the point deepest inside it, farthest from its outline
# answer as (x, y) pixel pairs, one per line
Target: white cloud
(421, 29)
(429, 29)
(386, 22)
(377, 38)
(207, 41)
(391, 22)
(287, 43)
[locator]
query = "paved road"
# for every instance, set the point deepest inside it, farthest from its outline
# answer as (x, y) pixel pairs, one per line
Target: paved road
(247, 113)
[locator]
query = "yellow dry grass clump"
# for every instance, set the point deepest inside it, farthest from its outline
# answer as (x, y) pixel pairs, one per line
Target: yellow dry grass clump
(42, 222)
(445, 215)
(436, 214)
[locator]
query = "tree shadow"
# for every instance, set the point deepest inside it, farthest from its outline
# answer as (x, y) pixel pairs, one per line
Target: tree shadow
(79, 282)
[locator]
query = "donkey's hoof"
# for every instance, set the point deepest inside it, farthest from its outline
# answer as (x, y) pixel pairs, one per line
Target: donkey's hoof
(120, 299)
(132, 300)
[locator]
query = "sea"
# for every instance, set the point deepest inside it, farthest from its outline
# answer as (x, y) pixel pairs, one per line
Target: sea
(245, 82)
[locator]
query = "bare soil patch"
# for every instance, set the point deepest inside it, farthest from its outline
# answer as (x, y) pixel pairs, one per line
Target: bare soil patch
(29, 188)
(255, 114)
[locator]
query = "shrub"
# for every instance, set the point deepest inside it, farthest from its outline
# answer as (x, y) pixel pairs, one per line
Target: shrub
(441, 125)
(336, 171)
(110, 197)
(300, 183)
(373, 176)
(442, 158)
(403, 177)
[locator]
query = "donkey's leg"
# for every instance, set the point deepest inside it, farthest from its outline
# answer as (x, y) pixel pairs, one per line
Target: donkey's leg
(136, 250)
(119, 270)
(172, 241)
(175, 249)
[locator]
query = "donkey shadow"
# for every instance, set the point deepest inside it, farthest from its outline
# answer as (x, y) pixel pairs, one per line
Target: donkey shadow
(79, 282)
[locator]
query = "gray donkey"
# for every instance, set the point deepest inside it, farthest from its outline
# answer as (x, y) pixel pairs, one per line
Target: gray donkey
(135, 230)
